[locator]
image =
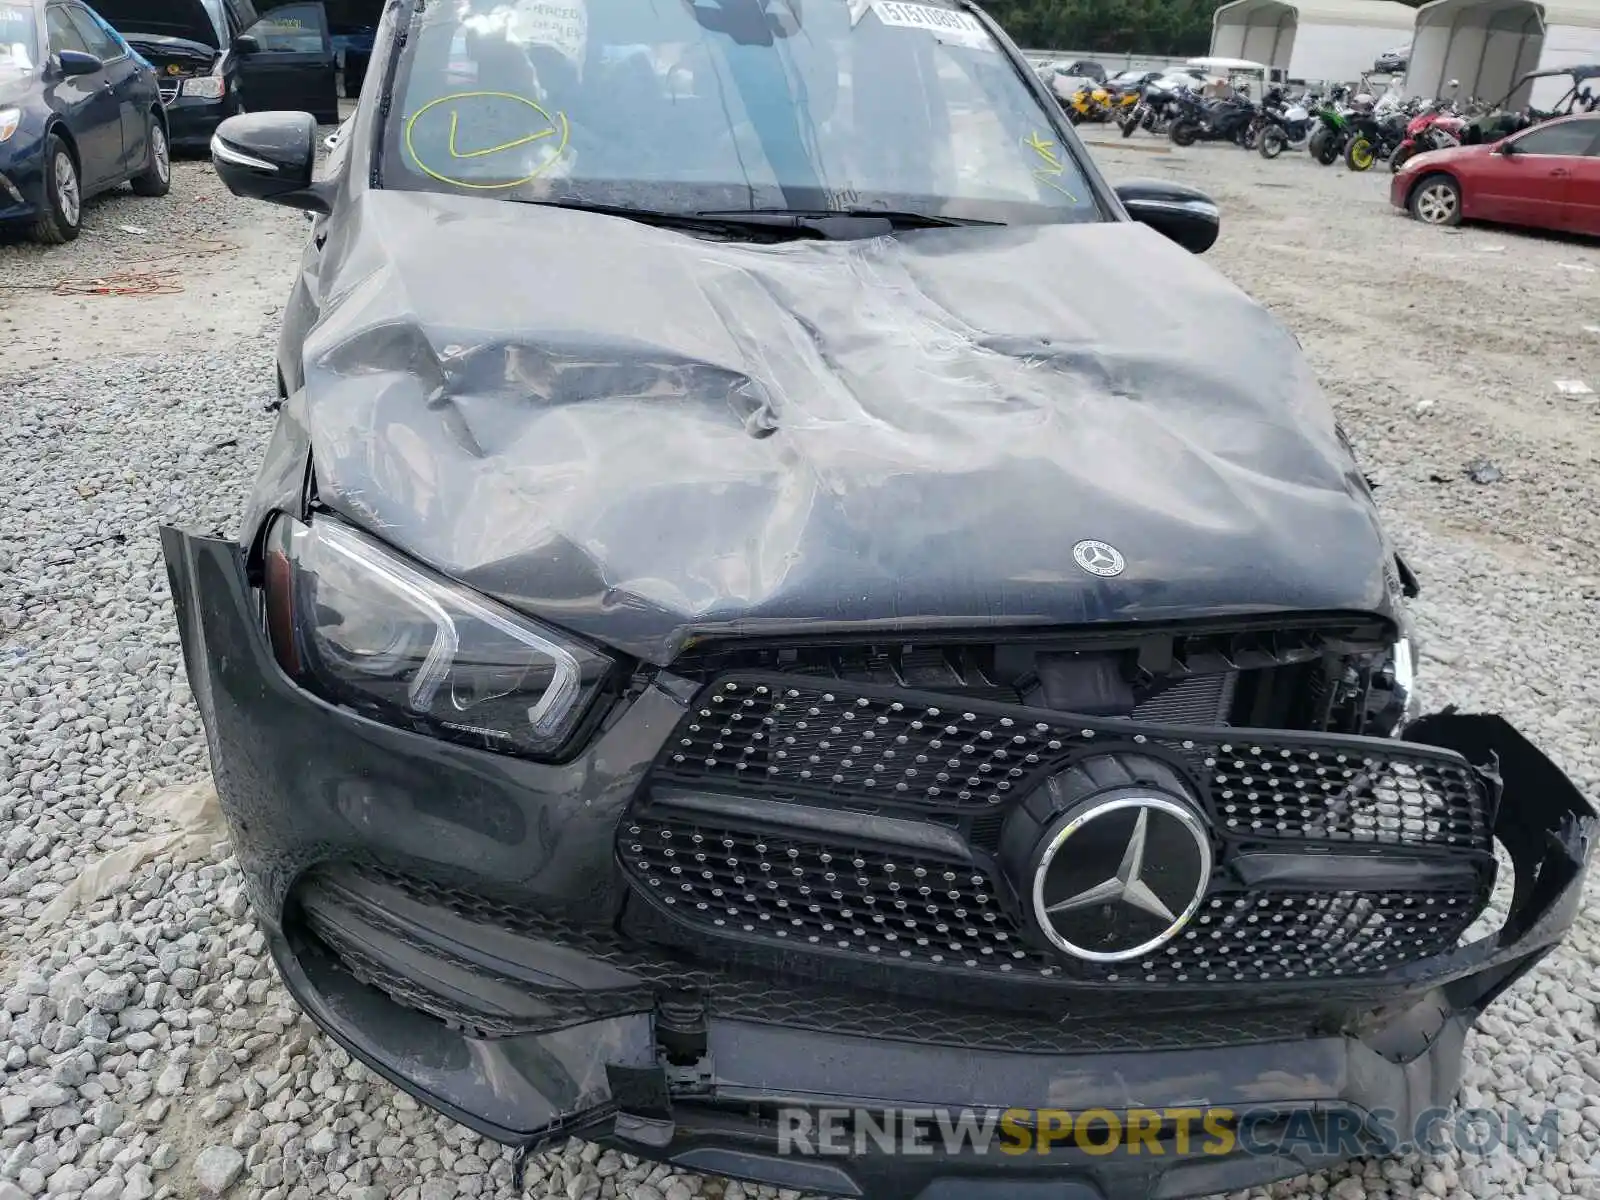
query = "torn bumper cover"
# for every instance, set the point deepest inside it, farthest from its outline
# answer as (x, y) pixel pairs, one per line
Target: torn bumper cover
(459, 921)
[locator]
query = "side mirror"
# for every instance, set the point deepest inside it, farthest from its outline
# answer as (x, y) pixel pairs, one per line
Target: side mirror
(245, 45)
(269, 156)
(1187, 216)
(1508, 149)
(76, 62)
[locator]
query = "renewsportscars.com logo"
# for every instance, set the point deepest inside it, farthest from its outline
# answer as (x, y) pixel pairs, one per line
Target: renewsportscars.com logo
(1180, 1132)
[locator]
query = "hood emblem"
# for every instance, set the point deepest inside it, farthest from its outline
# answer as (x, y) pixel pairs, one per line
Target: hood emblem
(1099, 558)
(1159, 882)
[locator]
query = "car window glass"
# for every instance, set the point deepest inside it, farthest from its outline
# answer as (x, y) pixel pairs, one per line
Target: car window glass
(63, 33)
(1570, 137)
(16, 39)
(100, 43)
(293, 29)
(903, 106)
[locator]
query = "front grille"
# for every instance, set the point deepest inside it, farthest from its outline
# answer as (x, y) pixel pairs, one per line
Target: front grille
(726, 879)
(881, 746)
(1345, 796)
(829, 894)
(894, 907)
(168, 87)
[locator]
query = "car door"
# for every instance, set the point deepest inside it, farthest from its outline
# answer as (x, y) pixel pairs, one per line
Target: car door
(124, 74)
(1582, 200)
(87, 104)
(1526, 179)
(288, 62)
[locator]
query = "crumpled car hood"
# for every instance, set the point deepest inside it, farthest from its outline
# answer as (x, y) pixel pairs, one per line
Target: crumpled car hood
(647, 437)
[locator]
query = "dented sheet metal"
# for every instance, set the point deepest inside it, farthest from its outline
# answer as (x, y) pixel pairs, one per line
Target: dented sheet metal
(647, 437)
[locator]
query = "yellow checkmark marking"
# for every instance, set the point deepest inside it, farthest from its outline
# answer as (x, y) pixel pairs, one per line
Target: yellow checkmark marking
(1053, 166)
(1045, 150)
(455, 120)
(555, 125)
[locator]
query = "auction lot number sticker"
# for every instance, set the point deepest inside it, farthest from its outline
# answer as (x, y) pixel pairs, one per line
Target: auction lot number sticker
(959, 27)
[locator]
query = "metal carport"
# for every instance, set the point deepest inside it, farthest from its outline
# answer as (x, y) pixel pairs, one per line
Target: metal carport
(1486, 45)
(1311, 39)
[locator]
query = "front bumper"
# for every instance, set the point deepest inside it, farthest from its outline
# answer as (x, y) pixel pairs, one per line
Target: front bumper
(451, 918)
(21, 179)
(1404, 181)
(1400, 188)
(191, 121)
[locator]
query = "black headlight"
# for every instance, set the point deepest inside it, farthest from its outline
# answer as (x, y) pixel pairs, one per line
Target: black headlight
(359, 625)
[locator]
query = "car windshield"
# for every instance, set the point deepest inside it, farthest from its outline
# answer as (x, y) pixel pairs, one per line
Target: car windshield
(693, 106)
(17, 40)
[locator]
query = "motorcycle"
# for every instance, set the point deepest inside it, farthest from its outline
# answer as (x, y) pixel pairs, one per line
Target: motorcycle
(1281, 125)
(1212, 121)
(1373, 138)
(1088, 104)
(1435, 129)
(1137, 116)
(1155, 111)
(1327, 140)
(1121, 101)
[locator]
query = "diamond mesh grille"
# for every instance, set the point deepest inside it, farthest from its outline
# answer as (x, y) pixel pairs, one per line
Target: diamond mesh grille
(964, 763)
(902, 907)
(899, 905)
(855, 743)
(1339, 795)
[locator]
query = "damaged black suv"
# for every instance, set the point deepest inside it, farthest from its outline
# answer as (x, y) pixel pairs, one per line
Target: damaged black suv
(725, 633)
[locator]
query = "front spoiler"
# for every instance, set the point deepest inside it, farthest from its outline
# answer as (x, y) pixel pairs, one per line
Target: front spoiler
(604, 1082)
(301, 782)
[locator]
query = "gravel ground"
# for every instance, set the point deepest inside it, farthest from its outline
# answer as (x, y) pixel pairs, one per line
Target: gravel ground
(146, 1047)
(198, 238)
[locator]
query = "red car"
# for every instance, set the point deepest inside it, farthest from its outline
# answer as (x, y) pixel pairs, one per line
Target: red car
(1547, 177)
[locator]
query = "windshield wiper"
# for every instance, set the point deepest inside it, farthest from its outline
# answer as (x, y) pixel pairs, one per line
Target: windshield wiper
(724, 223)
(831, 224)
(894, 220)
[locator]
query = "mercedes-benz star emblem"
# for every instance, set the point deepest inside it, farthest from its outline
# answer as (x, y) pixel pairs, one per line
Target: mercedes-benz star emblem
(1099, 558)
(1163, 859)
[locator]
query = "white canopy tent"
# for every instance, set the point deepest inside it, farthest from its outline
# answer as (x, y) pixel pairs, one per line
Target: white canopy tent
(1487, 45)
(1311, 39)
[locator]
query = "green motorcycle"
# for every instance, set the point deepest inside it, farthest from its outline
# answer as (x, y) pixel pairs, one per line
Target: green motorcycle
(1328, 138)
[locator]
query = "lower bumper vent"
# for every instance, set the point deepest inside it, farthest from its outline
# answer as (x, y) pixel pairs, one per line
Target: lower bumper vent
(421, 969)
